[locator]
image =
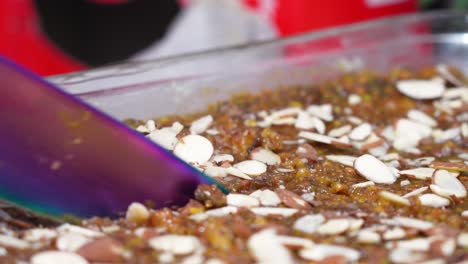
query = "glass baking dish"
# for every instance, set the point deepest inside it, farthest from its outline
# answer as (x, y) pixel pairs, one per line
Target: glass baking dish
(188, 83)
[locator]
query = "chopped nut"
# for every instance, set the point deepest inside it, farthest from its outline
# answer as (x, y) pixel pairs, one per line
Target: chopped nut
(137, 213)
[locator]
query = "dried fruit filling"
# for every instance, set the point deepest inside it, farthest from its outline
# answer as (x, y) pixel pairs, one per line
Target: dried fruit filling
(365, 168)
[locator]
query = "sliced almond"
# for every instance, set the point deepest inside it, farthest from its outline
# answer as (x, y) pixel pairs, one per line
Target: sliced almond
(360, 132)
(444, 72)
(464, 130)
(165, 137)
(445, 184)
(71, 242)
(462, 240)
(105, 249)
(49, 257)
(13, 242)
(269, 198)
(433, 200)
(292, 200)
(465, 214)
(309, 223)
(218, 212)
(334, 227)
(421, 117)
(342, 159)
(402, 255)
(265, 155)
(415, 192)
(408, 134)
(421, 89)
(363, 184)
(237, 173)
(175, 244)
(307, 151)
(285, 113)
(368, 237)
(404, 183)
(354, 99)
(68, 228)
(373, 169)
(417, 244)
(241, 200)
(441, 136)
(39, 234)
(194, 149)
(394, 198)
(408, 222)
(419, 173)
(274, 211)
(295, 242)
(394, 234)
(443, 247)
(304, 121)
(451, 166)
(265, 247)
(321, 251)
(323, 112)
(251, 167)
(322, 138)
(201, 125)
(222, 157)
(340, 131)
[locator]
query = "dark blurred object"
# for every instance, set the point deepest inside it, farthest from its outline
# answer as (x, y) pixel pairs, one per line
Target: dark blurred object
(443, 4)
(102, 33)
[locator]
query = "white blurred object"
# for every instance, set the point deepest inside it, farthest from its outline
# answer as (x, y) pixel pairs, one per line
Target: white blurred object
(208, 24)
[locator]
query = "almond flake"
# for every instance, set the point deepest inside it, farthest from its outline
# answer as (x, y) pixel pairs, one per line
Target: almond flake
(355, 120)
(222, 157)
(292, 200)
(408, 222)
(304, 121)
(309, 223)
(342, 159)
(322, 138)
(368, 237)
(267, 198)
(394, 198)
(241, 200)
(194, 149)
(212, 131)
(214, 171)
(421, 89)
(13, 242)
(267, 248)
(201, 125)
(49, 257)
(334, 227)
(408, 134)
(372, 142)
(308, 152)
(238, 173)
(137, 213)
(68, 228)
(433, 200)
(419, 173)
(417, 244)
(71, 242)
(377, 151)
(165, 137)
(273, 211)
(445, 73)
(340, 131)
(176, 244)
(451, 166)
(38, 234)
(464, 130)
(285, 113)
(265, 155)
(354, 99)
(373, 169)
(390, 157)
(286, 170)
(422, 118)
(462, 240)
(456, 93)
(360, 132)
(284, 121)
(443, 247)
(404, 183)
(465, 214)
(394, 234)
(441, 136)
(402, 255)
(415, 192)
(363, 184)
(218, 212)
(321, 251)
(445, 184)
(323, 112)
(251, 167)
(295, 242)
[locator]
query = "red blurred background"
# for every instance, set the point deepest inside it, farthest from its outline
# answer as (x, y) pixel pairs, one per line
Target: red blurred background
(23, 39)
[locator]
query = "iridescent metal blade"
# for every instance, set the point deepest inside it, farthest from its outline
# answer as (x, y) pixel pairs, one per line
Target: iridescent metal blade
(60, 156)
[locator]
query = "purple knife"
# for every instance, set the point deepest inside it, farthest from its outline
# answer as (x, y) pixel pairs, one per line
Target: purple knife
(60, 156)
